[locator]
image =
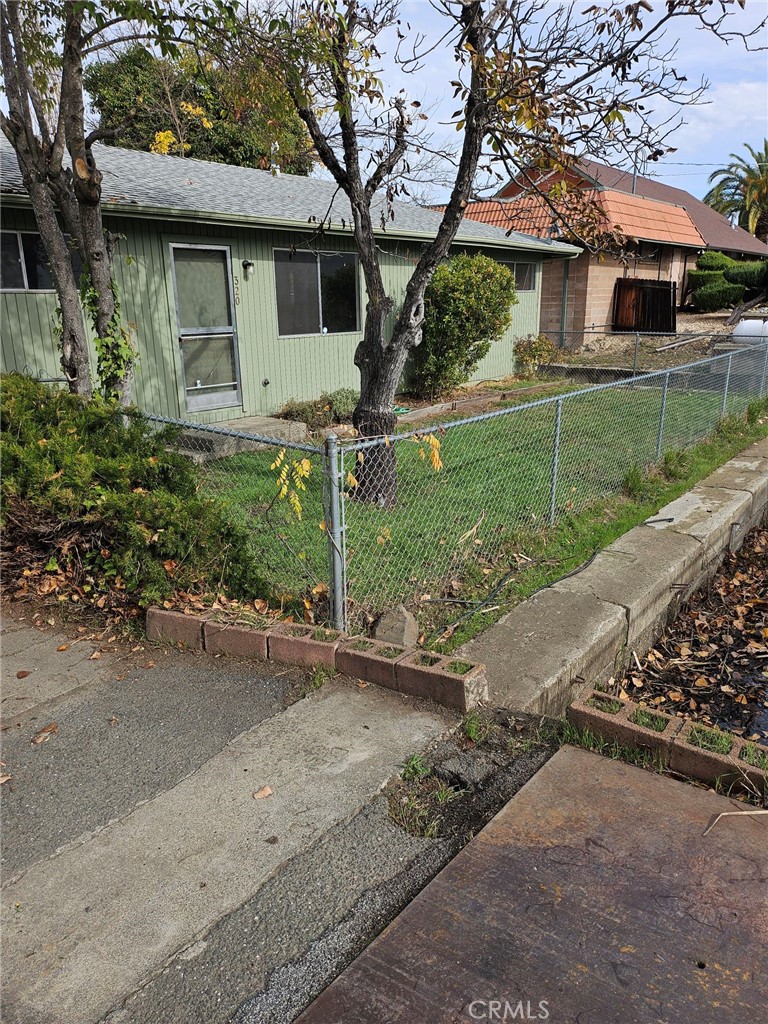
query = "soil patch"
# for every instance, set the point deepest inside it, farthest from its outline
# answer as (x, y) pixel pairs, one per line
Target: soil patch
(619, 349)
(711, 664)
(454, 790)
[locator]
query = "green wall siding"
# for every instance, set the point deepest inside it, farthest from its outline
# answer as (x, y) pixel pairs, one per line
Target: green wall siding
(296, 367)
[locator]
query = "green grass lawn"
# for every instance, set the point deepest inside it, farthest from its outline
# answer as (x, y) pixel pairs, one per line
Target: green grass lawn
(490, 498)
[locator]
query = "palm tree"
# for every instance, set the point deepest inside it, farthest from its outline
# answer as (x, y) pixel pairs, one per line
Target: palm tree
(742, 191)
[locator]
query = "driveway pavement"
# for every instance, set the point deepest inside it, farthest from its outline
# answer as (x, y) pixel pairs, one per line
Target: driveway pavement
(159, 842)
(592, 897)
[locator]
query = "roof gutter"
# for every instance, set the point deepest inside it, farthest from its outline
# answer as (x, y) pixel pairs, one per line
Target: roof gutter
(138, 210)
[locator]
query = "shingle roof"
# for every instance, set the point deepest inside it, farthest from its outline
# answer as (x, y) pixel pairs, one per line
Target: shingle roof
(175, 187)
(715, 229)
(635, 216)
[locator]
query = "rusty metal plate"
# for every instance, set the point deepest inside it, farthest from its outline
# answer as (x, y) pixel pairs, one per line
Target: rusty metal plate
(592, 897)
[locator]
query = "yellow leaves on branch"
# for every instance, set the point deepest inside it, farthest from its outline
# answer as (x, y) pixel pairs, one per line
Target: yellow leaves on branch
(166, 143)
(432, 449)
(291, 477)
(197, 112)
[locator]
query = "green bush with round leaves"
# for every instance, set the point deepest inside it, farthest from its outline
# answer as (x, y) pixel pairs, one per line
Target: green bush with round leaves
(468, 306)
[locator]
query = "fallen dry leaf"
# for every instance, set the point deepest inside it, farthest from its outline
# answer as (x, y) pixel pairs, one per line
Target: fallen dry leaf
(263, 793)
(113, 720)
(95, 656)
(44, 734)
(63, 647)
(5, 778)
(22, 674)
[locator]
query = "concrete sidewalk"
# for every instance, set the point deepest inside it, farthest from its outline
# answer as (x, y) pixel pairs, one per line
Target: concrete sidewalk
(592, 896)
(135, 850)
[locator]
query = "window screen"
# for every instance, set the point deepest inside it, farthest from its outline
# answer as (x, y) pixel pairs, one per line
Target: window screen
(298, 305)
(316, 293)
(525, 275)
(11, 274)
(202, 288)
(209, 363)
(38, 276)
(338, 286)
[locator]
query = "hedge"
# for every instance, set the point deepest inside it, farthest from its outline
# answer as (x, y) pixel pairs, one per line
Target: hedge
(754, 276)
(699, 278)
(98, 503)
(715, 296)
(714, 261)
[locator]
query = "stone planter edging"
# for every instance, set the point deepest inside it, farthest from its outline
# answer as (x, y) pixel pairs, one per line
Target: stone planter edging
(671, 745)
(585, 628)
(310, 646)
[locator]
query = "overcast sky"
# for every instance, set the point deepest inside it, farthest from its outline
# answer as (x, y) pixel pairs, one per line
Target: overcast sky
(735, 111)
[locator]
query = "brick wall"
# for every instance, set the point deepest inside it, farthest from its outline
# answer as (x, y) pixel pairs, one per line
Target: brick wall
(591, 285)
(552, 297)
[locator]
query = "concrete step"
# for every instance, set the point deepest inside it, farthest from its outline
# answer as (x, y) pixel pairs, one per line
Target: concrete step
(217, 444)
(173, 874)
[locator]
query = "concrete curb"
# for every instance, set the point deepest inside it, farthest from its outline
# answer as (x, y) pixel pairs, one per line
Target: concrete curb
(442, 679)
(584, 629)
(594, 710)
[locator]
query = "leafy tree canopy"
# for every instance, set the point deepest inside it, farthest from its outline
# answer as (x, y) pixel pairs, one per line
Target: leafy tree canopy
(184, 107)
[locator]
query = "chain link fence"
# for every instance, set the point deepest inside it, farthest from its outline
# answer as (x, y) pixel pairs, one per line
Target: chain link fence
(591, 353)
(371, 522)
(517, 469)
(278, 487)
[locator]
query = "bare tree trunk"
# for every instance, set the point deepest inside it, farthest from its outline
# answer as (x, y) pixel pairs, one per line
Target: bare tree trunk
(745, 307)
(381, 366)
(115, 358)
(73, 341)
(39, 165)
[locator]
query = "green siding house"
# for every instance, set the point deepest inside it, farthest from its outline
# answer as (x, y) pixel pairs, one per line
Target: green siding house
(236, 298)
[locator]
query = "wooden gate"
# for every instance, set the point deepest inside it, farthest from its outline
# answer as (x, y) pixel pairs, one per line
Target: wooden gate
(646, 306)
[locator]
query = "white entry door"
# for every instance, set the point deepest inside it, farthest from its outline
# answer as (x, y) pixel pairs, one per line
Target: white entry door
(205, 315)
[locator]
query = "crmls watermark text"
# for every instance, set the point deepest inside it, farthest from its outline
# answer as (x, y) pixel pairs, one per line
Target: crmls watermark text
(501, 1009)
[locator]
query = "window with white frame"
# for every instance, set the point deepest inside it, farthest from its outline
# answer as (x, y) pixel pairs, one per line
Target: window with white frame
(317, 293)
(24, 265)
(524, 273)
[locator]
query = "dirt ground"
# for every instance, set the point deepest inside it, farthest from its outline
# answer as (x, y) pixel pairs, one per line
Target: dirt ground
(619, 349)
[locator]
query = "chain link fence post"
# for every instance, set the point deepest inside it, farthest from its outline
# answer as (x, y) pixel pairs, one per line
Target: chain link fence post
(662, 414)
(334, 532)
(555, 461)
(764, 379)
(727, 382)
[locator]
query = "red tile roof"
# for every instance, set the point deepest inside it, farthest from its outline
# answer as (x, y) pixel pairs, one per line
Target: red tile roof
(716, 230)
(632, 215)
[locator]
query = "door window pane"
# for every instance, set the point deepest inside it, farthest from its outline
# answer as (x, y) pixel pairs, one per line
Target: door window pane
(11, 274)
(298, 302)
(338, 284)
(202, 288)
(36, 262)
(209, 363)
